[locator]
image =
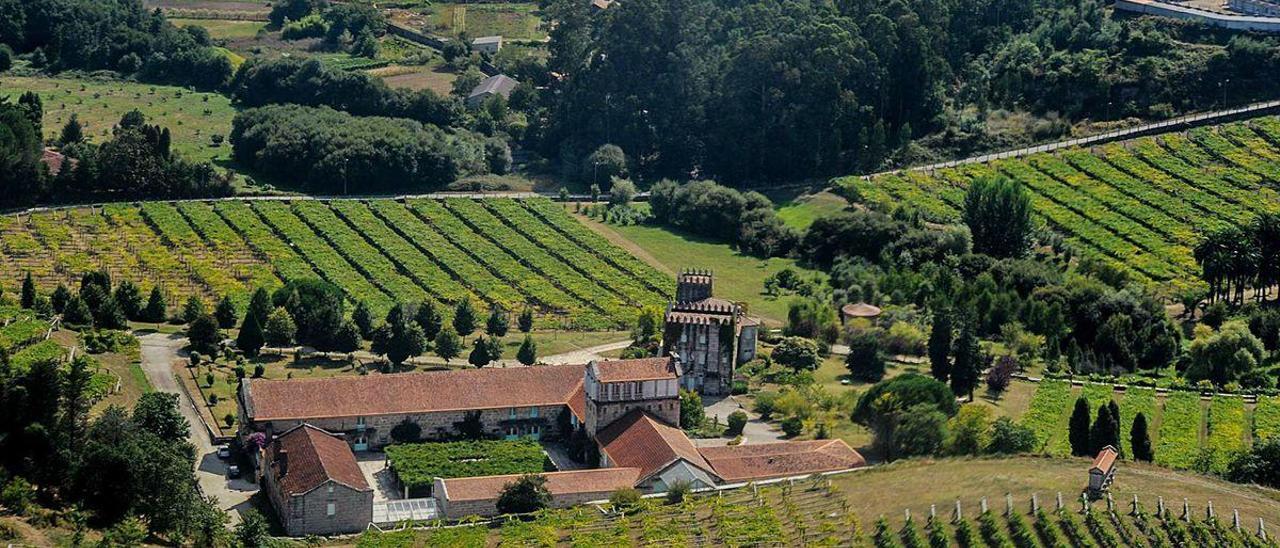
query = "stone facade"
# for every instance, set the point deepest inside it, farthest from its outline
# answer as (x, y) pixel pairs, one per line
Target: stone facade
(329, 509)
(711, 336)
(608, 401)
(365, 433)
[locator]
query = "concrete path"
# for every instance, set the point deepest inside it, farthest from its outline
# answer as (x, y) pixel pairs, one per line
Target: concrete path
(585, 355)
(159, 351)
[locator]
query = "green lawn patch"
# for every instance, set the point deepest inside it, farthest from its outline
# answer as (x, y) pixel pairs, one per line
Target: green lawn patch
(1180, 431)
(418, 464)
(1226, 430)
(1050, 407)
(804, 210)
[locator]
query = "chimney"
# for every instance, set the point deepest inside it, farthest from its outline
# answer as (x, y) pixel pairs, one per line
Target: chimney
(282, 461)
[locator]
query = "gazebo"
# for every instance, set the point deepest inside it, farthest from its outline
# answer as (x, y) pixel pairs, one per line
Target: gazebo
(859, 310)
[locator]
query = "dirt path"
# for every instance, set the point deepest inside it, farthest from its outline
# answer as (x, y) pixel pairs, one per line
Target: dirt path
(585, 355)
(159, 351)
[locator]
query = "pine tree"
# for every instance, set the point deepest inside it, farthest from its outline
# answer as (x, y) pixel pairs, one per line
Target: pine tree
(60, 297)
(192, 309)
(72, 131)
(464, 317)
(28, 292)
(1078, 433)
(429, 319)
(528, 353)
(1140, 439)
(940, 346)
(225, 313)
(448, 344)
(129, 297)
(525, 322)
(250, 339)
(156, 309)
(363, 318)
(498, 324)
(260, 305)
(77, 312)
(967, 367)
(479, 356)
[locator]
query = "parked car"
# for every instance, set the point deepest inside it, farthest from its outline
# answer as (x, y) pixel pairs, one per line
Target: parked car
(233, 471)
(224, 451)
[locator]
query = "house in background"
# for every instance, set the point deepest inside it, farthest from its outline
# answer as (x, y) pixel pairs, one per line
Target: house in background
(314, 483)
(487, 44)
(498, 84)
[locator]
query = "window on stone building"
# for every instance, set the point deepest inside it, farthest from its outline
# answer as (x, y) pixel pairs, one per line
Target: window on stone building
(331, 509)
(533, 412)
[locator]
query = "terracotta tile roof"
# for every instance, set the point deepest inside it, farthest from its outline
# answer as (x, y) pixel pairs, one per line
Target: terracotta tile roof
(578, 403)
(55, 160)
(403, 393)
(1105, 460)
(639, 440)
(776, 460)
(643, 369)
(314, 457)
(601, 480)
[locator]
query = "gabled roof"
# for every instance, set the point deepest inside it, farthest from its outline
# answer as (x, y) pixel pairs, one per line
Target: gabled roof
(314, 458)
(860, 310)
(601, 480)
(639, 440)
(406, 393)
(642, 369)
(500, 84)
(488, 40)
(777, 460)
(1105, 461)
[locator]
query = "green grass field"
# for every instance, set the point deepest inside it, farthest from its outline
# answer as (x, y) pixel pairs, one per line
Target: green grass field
(192, 117)
(803, 210)
(738, 277)
(224, 29)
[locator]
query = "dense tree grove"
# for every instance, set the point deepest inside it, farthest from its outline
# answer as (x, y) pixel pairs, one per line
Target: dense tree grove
(328, 151)
(765, 90)
(120, 35)
(1235, 260)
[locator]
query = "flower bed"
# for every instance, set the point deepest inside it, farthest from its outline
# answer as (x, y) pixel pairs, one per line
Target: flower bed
(418, 464)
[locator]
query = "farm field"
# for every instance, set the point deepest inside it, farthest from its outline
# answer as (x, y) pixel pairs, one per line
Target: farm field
(808, 513)
(224, 29)
(512, 21)
(500, 252)
(913, 484)
(802, 211)
(1139, 206)
(738, 277)
(192, 117)
(1184, 427)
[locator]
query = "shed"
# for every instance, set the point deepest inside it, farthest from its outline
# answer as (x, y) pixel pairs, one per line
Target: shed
(498, 84)
(487, 44)
(1103, 470)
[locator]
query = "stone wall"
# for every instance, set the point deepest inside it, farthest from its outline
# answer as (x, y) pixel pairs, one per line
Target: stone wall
(307, 514)
(488, 507)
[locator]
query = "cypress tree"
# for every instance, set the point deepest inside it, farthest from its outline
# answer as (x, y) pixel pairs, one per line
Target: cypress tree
(968, 359)
(940, 346)
(1078, 433)
(448, 344)
(1140, 439)
(60, 297)
(525, 321)
(250, 339)
(130, 299)
(429, 319)
(498, 324)
(28, 292)
(479, 356)
(1113, 436)
(193, 309)
(1103, 430)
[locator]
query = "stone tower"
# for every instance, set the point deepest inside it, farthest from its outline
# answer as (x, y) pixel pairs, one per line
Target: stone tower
(711, 335)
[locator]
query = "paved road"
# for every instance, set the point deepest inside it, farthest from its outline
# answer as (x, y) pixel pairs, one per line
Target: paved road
(159, 350)
(756, 430)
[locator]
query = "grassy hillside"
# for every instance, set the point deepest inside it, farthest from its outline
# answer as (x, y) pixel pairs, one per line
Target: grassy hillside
(192, 117)
(1139, 205)
(501, 252)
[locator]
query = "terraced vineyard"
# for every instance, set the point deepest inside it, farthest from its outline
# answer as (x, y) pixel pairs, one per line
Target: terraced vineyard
(1184, 427)
(506, 253)
(1139, 206)
(808, 513)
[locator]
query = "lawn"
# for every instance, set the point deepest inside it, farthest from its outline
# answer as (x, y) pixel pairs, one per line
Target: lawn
(738, 277)
(888, 490)
(434, 77)
(803, 210)
(192, 117)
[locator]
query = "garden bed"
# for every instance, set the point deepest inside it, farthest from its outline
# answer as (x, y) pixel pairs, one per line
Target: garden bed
(416, 465)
